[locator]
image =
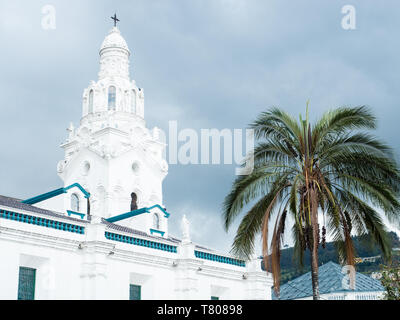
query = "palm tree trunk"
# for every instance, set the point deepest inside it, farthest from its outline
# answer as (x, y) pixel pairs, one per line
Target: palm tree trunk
(314, 249)
(314, 274)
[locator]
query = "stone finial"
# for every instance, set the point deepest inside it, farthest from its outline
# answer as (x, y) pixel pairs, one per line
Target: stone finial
(156, 133)
(71, 131)
(185, 227)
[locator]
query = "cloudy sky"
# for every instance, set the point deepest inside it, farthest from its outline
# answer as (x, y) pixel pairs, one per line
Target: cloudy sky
(203, 63)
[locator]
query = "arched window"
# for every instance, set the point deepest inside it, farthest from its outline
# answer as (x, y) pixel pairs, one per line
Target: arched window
(133, 101)
(112, 92)
(74, 202)
(91, 101)
(156, 221)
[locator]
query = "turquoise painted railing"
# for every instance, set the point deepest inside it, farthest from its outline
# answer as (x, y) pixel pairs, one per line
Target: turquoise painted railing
(221, 259)
(153, 231)
(82, 215)
(140, 242)
(42, 222)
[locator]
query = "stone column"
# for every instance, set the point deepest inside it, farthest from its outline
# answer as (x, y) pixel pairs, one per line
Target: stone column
(186, 279)
(9, 269)
(259, 282)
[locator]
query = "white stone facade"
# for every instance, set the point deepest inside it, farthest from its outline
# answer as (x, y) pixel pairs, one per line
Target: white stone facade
(112, 154)
(89, 266)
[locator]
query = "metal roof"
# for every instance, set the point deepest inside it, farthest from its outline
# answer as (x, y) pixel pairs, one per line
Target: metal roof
(330, 277)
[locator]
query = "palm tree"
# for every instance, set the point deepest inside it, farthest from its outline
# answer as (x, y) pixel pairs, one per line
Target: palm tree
(333, 174)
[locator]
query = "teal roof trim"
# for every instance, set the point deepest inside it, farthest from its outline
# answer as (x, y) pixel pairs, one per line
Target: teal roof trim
(44, 196)
(166, 214)
(136, 213)
(55, 193)
(127, 215)
(77, 185)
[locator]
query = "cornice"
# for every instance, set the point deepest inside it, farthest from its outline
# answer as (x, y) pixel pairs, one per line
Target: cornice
(38, 239)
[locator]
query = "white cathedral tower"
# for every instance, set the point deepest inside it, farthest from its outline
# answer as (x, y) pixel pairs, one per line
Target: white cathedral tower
(112, 154)
(88, 239)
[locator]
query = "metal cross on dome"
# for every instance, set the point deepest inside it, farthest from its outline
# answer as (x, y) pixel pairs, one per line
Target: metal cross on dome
(115, 19)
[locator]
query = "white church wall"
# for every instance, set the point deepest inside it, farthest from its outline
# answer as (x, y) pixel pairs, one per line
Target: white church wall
(55, 204)
(89, 266)
(57, 271)
(9, 271)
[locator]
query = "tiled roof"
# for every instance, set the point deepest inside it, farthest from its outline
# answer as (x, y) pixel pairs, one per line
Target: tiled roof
(17, 204)
(118, 227)
(203, 248)
(330, 281)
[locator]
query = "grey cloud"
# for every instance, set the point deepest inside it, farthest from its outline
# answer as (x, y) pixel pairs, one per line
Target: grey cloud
(203, 63)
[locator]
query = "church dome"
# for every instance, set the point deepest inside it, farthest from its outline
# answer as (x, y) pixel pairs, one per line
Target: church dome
(114, 40)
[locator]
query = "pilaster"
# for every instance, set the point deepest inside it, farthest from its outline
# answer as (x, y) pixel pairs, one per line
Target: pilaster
(259, 282)
(187, 279)
(94, 261)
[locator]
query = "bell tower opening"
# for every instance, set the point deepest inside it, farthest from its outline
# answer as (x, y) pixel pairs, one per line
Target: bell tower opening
(133, 201)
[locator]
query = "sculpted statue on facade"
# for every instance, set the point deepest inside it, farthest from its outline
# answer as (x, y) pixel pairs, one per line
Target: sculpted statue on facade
(185, 227)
